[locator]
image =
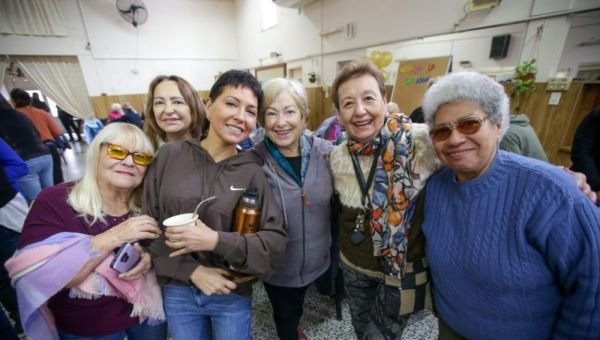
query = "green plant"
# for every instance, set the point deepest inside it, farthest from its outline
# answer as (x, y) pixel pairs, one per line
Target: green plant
(524, 81)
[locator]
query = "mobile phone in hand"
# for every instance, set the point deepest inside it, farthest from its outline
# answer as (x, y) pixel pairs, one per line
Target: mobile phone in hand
(125, 258)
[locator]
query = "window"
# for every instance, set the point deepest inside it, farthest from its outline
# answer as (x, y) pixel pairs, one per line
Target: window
(51, 104)
(269, 14)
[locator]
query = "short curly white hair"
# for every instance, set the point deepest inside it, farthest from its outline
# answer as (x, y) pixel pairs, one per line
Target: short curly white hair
(470, 87)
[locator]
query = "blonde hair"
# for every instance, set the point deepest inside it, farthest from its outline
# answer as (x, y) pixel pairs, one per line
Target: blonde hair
(272, 88)
(85, 197)
(116, 107)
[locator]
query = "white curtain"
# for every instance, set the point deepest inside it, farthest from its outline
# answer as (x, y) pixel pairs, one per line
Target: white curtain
(32, 17)
(61, 79)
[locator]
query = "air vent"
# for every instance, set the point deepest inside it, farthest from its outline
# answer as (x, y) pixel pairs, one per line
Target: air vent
(478, 5)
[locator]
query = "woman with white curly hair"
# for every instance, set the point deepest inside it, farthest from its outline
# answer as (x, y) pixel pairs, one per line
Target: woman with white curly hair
(513, 245)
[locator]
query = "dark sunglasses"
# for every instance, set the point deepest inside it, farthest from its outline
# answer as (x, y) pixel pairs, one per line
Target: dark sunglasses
(467, 126)
(120, 153)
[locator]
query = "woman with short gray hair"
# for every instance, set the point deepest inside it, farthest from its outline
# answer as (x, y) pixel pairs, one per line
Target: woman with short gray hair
(473, 87)
(513, 244)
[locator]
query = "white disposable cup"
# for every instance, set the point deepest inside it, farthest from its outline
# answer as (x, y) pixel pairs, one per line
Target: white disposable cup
(180, 220)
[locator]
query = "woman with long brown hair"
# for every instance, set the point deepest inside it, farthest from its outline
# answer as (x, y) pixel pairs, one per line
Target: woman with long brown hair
(174, 111)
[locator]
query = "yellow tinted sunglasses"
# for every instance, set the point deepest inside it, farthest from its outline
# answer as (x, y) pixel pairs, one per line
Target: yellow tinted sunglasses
(118, 152)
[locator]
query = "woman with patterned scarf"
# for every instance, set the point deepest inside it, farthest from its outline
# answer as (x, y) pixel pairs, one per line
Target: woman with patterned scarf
(378, 173)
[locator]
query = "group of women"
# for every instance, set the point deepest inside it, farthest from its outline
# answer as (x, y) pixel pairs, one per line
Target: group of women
(512, 243)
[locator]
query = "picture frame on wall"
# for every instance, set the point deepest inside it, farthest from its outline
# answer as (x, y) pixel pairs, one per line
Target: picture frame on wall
(265, 73)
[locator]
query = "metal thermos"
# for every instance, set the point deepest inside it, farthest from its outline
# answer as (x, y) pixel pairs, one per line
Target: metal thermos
(247, 213)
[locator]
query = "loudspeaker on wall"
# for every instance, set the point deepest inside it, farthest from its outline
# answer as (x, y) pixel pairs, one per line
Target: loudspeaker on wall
(499, 46)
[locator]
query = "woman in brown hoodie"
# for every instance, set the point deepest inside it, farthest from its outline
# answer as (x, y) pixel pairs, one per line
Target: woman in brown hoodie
(195, 262)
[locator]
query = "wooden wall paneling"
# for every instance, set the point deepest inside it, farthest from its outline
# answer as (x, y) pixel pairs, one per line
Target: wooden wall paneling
(554, 124)
(327, 108)
(590, 99)
(558, 120)
(101, 104)
(315, 99)
(388, 93)
(551, 122)
(203, 94)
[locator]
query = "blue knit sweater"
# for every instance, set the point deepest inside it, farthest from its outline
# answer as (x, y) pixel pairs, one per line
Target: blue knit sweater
(514, 253)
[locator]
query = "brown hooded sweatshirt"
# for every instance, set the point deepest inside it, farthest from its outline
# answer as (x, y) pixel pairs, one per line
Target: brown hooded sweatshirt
(183, 174)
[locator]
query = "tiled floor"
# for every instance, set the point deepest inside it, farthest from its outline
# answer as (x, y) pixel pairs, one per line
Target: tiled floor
(318, 321)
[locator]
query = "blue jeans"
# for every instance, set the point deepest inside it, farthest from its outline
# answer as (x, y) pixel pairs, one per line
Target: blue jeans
(39, 177)
(194, 315)
(137, 332)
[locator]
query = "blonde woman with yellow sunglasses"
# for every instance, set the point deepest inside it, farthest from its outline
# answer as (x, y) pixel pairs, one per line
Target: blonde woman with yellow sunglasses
(84, 222)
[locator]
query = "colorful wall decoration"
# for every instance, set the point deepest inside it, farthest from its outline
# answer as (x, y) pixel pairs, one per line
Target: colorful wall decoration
(413, 79)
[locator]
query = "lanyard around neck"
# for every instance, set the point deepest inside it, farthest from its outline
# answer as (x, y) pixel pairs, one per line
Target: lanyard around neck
(364, 186)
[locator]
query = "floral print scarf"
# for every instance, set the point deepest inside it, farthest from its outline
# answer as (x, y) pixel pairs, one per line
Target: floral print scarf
(394, 190)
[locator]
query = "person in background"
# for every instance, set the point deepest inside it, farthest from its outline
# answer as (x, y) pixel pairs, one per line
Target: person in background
(195, 262)
(393, 108)
(246, 144)
(8, 245)
(91, 127)
(521, 138)
(257, 134)
(378, 173)
(67, 121)
(38, 103)
(46, 126)
(14, 166)
(127, 107)
(331, 129)
(116, 112)
(20, 134)
(69, 237)
(585, 149)
(297, 168)
(13, 209)
(174, 111)
(417, 115)
(131, 116)
(512, 242)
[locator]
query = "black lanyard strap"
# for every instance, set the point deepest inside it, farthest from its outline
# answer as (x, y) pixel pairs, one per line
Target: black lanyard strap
(364, 186)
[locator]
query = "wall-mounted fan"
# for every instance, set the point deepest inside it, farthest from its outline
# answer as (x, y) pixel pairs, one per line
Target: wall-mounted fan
(133, 11)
